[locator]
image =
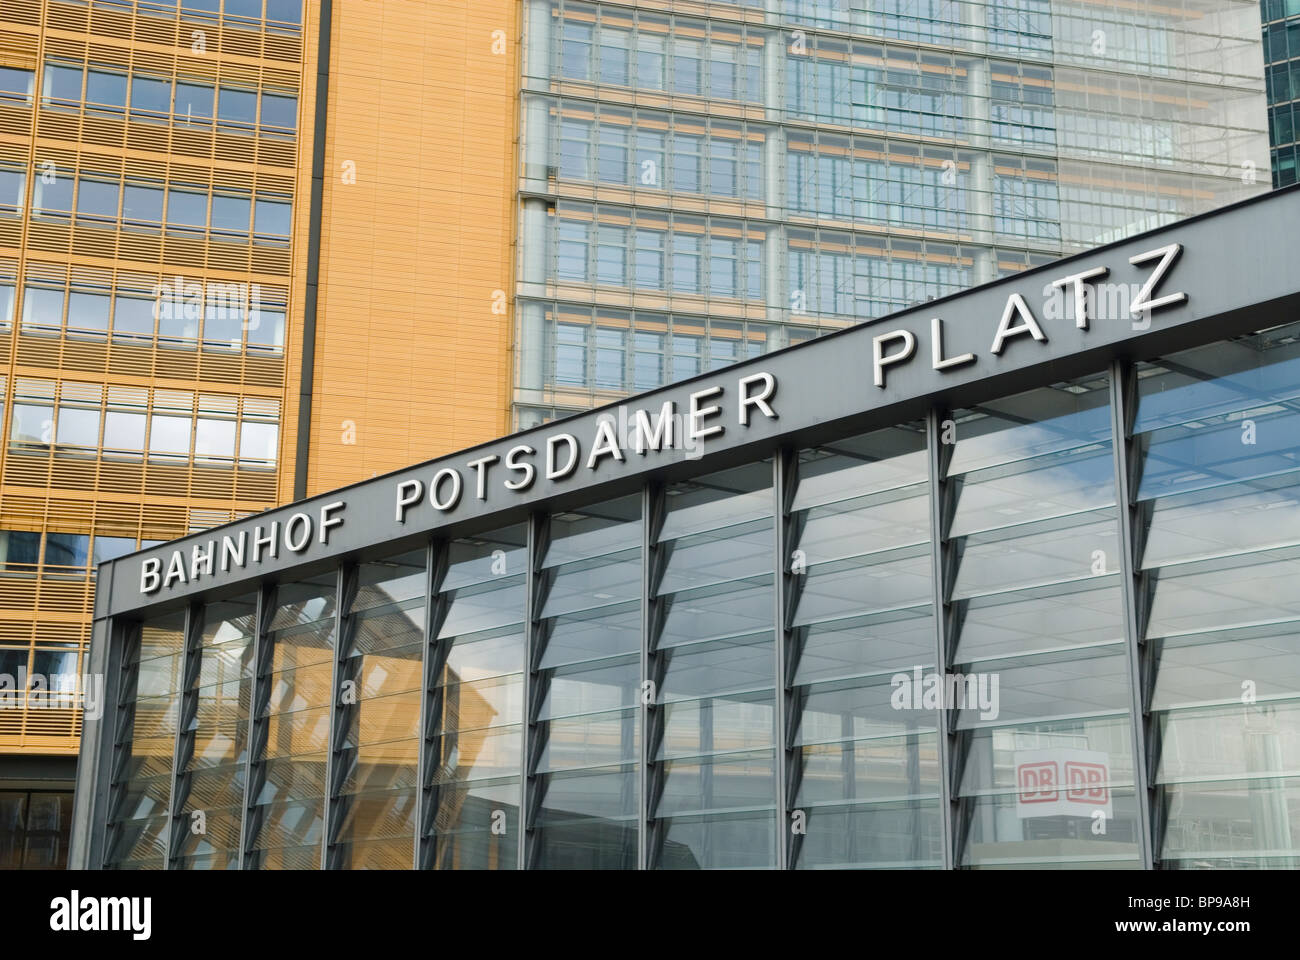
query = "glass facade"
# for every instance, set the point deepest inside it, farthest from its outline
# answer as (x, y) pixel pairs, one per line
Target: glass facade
(701, 188)
(1051, 629)
(1282, 73)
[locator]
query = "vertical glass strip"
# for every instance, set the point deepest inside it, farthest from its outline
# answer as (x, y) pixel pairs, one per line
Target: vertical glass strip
(291, 731)
(1217, 497)
(1045, 726)
(862, 628)
(380, 680)
(476, 709)
(587, 650)
(148, 708)
(210, 788)
(712, 799)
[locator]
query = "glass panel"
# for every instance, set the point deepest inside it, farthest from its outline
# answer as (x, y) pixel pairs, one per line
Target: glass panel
(381, 674)
(149, 708)
(1218, 440)
(588, 691)
(478, 703)
(713, 785)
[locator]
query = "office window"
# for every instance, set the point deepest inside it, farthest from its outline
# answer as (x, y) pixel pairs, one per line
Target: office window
(150, 96)
(243, 9)
(650, 61)
(32, 424)
(258, 442)
(110, 548)
(78, 426)
(223, 324)
(53, 192)
(611, 153)
(571, 354)
(649, 254)
(572, 251)
(178, 323)
(142, 203)
(723, 261)
(614, 56)
(686, 66)
(65, 550)
(19, 550)
(187, 210)
(42, 308)
(722, 167)
(686, 162)
(15, 84)
(575, 51)
(722, 71)
(272, 219)
(230, 215)
(8, 295)
(237, 108)
(13, 190)
(647, 360)
(62, 84)
(649, 160)
(133, 316)
(575, 146)
(194, 101)
(214, 439)
(169, 435)
(686, 356)
(88, 311)
(610, 357)
(123, 432)
(686, 263)
(284, 11)
(106, 90)
(279, 110)
(97, 199)
(266, 328)
(611, 255)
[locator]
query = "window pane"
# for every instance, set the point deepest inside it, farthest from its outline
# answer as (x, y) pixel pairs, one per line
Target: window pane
(31, 424)
(16, 83)
(266, 327)
(123, 431)
(42, 308)
(279, 110)
(78, 427)
(150, 95)
(13, 188)
(67, 550)
(272, 218)
(53, 191)
(230, 214)
(7, 297)
(186, 208)
(133, 315)
(214, 438)
(257, 441)
(287, 11)
(237, 107)
(110, 548)
(169, 434)
(88, 311)
(20, 548)
(106, 89)
(143, 204)
(194, 101)
(97, 199)
(62, 84)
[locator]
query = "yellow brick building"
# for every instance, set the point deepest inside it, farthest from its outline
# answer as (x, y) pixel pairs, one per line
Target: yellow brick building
(248, 251)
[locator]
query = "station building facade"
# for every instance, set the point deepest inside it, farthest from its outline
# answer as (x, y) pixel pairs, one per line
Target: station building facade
(1004, 580)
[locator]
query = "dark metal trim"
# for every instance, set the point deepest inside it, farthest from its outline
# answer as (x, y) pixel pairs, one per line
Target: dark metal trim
(307, 375)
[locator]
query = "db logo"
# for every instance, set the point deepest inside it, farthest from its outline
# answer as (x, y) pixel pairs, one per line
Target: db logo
(1038, 782)
(1086, 783)
(1062, 782)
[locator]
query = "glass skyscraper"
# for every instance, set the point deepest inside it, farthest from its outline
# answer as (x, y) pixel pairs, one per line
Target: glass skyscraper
(697, 188)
